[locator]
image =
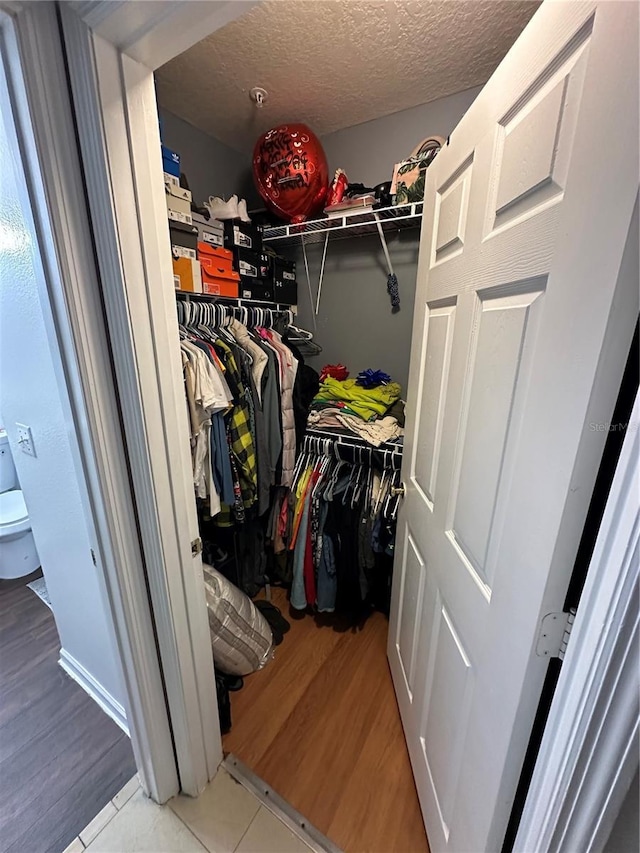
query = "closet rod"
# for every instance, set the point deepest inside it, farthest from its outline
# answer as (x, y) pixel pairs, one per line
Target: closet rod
(387, 455)
(345, 438)
(188, 295)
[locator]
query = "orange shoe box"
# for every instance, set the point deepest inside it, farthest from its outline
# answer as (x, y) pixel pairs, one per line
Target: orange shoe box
(225, 284)
(187, 275)
(215, 260)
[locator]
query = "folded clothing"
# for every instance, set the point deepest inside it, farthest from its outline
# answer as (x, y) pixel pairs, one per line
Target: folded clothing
(326, 418)
(367, 403)
(374, 432)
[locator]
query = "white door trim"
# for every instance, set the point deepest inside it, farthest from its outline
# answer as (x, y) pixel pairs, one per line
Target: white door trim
(46, 136)
(139, 322)
(589, 750)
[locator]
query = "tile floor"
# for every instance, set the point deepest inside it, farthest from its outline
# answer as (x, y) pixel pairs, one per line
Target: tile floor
(225, 818)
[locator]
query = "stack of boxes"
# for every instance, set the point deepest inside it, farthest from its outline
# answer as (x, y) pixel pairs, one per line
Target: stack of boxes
(218, 276)
(244, 241)
(221, 258)
(184, 237)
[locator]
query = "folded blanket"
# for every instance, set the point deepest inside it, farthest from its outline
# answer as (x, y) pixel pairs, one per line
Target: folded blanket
(368, 403)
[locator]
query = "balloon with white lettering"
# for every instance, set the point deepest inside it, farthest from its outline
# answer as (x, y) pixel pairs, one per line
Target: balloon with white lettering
(291, 173)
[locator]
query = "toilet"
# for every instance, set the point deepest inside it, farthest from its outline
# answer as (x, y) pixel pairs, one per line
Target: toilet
(18, 554)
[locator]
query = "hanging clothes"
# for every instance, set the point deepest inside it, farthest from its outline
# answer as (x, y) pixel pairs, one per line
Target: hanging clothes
(340, 529)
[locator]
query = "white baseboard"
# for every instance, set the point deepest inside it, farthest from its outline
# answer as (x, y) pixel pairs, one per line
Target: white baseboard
(94, 689)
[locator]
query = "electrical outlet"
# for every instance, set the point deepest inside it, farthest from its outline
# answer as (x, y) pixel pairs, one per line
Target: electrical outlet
(25, 440)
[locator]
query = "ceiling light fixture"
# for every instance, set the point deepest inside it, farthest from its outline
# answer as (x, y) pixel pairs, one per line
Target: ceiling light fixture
(258, 95)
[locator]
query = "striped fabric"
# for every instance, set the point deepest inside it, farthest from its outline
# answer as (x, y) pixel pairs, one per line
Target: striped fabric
(241, 638)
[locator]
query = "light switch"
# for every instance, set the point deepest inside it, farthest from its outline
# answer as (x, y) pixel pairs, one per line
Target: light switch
(25, 440)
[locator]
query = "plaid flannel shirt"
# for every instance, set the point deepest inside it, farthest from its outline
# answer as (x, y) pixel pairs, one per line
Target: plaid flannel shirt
(239, 425)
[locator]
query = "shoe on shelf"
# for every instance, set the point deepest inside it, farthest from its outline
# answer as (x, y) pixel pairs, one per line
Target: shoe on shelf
(242, 210)
(221, 209)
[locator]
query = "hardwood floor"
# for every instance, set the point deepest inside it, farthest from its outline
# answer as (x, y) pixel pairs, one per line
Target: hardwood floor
(320, 725)
(61, 758)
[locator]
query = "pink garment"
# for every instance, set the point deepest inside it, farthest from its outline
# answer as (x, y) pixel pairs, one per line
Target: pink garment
(288, 371)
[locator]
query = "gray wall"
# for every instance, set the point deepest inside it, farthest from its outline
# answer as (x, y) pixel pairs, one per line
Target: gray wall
(368, 152)
(355, 323)
(211, 167)
(625, 835)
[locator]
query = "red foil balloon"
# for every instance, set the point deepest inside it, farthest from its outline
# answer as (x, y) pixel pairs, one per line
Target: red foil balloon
(291, 173)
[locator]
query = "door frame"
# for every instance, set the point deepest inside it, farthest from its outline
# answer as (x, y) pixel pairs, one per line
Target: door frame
(72, 307)
(111, 69)
(111, 50)
(589, 751)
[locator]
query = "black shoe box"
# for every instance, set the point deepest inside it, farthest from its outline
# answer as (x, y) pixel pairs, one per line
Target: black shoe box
(237, 233)
(285, 292)
(256, 288)
(246, 262)
(265, 265)
(284, 271)
(285, 286)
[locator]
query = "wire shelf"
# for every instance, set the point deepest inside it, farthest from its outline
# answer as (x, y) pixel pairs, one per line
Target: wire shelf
(188, 295)
(351, 224)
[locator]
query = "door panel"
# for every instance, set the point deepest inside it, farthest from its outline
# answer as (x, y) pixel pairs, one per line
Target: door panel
(447, 714)
(516, 304)
(497, 346)
(411, 607)
(438, 334)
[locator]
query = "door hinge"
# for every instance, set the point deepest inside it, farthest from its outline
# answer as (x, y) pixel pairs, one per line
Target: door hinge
(555, 630)
(93, 557)
(196, 547)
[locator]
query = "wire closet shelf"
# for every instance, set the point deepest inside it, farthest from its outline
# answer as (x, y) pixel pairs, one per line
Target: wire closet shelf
(357, 223)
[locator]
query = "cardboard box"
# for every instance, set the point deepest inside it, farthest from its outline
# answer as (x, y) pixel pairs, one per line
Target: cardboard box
(178, 209)
(215, 261)
(209, 230)
(246, 262)
(170, 162)
(184, 240)
(265, 265)
(187, 275)
(221, 285)
(242, 234)
(258, 289)
(285, 292)
(172, 186)
(284, 271)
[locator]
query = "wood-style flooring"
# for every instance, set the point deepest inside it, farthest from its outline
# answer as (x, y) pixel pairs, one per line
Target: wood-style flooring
(321, 726)
(61, 758)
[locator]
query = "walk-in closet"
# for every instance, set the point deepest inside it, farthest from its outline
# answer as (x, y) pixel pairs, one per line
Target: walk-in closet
(295, 317)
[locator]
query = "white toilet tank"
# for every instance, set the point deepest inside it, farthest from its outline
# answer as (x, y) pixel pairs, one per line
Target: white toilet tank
(8, 476)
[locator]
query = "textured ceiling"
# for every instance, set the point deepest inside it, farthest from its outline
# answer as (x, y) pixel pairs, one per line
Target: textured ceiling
(336, 63)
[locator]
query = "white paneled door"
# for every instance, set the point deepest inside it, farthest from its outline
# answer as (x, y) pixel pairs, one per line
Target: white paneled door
(523, 318)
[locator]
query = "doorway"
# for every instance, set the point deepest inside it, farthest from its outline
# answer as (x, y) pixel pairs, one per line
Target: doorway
(65, 749)
(154, 208)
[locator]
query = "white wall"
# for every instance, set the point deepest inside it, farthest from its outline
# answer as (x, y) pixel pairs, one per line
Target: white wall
(32, 392)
